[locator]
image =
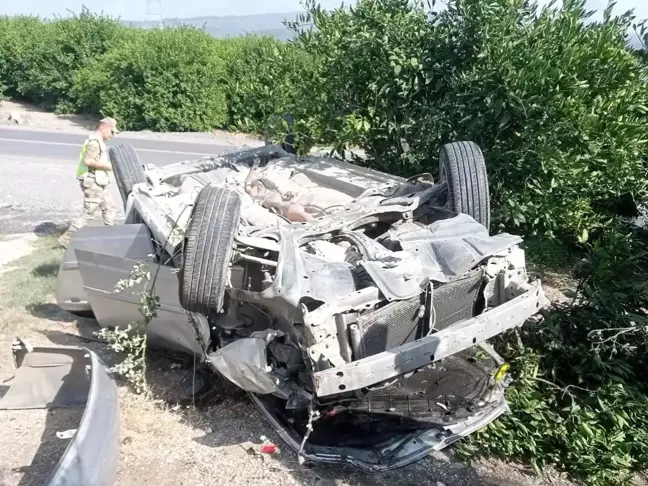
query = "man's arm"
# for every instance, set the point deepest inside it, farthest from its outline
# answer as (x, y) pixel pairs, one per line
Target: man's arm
(93, 156)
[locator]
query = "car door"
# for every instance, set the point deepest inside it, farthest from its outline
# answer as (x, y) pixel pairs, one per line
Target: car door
(171, 329)
(129, 241)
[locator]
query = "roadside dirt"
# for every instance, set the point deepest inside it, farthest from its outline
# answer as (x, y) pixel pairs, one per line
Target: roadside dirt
(29, 458)
(167, 440)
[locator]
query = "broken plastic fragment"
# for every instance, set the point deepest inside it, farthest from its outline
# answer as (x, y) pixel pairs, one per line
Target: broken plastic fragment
(266, 447)
(269, 448)
(501, 372)
(66, 434)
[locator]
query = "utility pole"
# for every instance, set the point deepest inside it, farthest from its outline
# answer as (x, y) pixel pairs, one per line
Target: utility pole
(154, 12)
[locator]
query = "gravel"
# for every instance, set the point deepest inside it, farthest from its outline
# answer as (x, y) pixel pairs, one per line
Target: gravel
(30, 446)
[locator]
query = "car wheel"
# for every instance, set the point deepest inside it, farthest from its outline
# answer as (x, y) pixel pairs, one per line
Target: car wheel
(463, 169)
(208, 250)
(127, 168)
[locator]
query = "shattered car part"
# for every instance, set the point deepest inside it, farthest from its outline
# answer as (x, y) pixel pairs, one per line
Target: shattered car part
(48, 377)
(245, 363)
(338, 296)
(101, 273)
(384, 430)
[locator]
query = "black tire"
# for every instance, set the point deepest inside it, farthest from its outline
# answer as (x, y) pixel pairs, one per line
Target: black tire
(127, 168)
(462, 166)
(208, 250)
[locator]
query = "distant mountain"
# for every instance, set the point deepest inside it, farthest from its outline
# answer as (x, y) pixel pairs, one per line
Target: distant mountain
(231, 26)
(261, 24)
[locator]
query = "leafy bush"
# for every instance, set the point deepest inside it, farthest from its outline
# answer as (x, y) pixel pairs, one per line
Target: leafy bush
(557, 104)
(163, 80)
(18, 36)
(360, 91)
(45, 56)
(579, 400)
(264, 77)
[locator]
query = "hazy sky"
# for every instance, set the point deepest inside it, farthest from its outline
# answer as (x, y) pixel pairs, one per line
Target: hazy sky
(136, 9)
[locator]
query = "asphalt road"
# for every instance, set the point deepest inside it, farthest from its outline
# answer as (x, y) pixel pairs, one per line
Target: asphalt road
(37, 184)
(63, 146)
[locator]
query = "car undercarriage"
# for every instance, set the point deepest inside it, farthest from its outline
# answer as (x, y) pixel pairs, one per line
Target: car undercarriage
(353, 306)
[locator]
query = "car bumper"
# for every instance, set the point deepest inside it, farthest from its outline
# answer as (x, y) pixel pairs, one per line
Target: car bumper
(398, 451)
(68, 377)
(436, 347)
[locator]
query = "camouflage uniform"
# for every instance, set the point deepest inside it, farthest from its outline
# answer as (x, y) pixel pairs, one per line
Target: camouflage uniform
(94, 185)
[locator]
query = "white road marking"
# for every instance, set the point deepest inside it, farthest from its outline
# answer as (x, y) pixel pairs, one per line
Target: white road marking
(124, 135)
(43, 142)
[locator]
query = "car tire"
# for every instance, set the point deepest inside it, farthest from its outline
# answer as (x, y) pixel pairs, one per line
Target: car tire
(462, 166)
(128, 169)
(208, 250)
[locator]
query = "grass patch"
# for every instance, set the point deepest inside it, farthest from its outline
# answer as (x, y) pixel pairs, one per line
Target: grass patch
(29, 281)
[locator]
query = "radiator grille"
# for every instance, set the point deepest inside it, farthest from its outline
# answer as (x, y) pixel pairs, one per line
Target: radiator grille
(398, 323)
(455, 301)
(390, 326)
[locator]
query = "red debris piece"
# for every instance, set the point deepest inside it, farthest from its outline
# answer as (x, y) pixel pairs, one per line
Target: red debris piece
(268, 448)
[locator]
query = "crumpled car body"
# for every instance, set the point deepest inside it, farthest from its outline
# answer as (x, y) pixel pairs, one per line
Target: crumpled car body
(63, 377)
(356, 309)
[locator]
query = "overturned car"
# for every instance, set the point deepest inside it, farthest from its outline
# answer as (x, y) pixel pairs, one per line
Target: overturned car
(353, 306)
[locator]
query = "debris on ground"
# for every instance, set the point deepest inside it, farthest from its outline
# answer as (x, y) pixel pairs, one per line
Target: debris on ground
(264, 448)
(15, 118)
(329, 482)
(66, 434)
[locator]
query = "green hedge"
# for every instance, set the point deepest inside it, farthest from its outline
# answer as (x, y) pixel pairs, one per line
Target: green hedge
(162, 80)
(263, 80)
(176, 78)
(39, 60)
(17, 41)
(557, 104)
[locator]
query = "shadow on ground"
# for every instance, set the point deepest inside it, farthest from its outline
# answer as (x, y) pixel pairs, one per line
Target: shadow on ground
(40, 442)
(224, 416)
(46, 270)
(80, 121)
(49, 228)
(52, 312)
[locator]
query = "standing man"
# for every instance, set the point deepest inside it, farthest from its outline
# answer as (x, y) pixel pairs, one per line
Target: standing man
(92, 173)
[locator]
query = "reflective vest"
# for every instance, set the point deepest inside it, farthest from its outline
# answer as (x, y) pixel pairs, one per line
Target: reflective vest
(82, 168)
